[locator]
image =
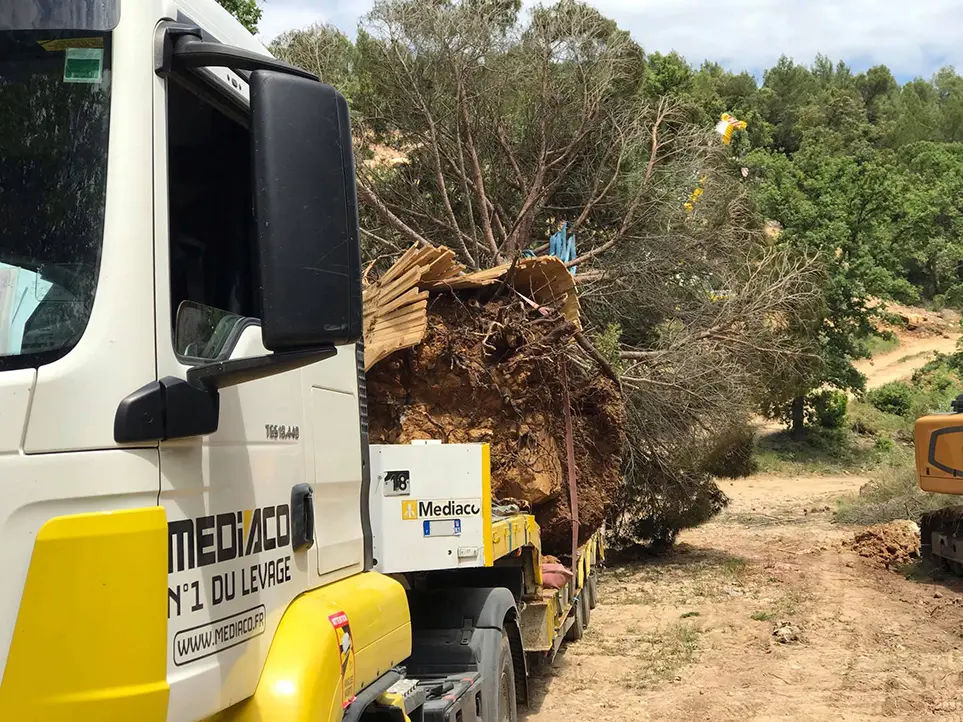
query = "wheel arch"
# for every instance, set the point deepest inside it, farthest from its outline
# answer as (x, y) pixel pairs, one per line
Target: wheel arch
(488, 611)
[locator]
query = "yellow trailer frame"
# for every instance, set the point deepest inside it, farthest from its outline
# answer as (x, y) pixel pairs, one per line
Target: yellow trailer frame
(546, 614)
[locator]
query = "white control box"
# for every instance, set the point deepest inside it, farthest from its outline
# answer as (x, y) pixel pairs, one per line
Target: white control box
(430, 506)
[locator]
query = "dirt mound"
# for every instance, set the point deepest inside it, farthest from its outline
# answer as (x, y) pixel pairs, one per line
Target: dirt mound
(889, 545)
(919, 322)
(493, 373)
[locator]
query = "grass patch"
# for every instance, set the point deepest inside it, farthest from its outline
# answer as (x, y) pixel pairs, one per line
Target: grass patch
(919, 571)
(879, 344)
(668, 650)
(866, 420)
(733, 566)
(658, 654)
(892, 494)
(687, 615)
(788, 605)
(762, 616)
(819, 451)
(910, 357)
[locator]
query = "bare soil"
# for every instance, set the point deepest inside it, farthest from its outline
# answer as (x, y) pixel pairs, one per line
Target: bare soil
(890, 545)
(764, 614)
(913, 352)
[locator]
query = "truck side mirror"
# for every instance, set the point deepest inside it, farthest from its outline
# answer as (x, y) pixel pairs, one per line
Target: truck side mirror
(306, 212)
(309, 253)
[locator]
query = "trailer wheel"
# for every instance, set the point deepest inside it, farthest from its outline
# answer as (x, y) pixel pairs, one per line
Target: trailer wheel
(586, 603)
(506, 709)
(593, 588)
(577, 630)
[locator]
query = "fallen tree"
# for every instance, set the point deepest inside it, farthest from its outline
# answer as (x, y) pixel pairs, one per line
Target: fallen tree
(491, 357)
(485, 129)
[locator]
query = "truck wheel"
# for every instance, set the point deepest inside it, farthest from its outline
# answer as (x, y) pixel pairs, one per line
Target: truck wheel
(577, 630)
(506, 709)
(593, 588)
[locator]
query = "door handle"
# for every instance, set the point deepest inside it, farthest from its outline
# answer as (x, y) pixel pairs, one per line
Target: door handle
(302, 517)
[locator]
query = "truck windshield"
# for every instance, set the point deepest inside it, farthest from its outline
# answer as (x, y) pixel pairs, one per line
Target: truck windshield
(54, 117)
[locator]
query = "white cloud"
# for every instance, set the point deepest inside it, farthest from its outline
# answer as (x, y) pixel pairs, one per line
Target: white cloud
(281, 15)
(912, 38)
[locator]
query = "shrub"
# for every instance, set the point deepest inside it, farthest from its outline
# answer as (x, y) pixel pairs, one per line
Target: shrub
(830, 408)
(884, 444)
(895, 397)
(893, 494)
(866, 420)
(954, 296)
(731, 455)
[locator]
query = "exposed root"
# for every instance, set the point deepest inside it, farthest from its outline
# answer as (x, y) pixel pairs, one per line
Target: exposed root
(492, 373)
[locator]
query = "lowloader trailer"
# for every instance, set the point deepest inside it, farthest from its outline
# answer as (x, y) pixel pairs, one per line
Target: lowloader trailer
(193, 525)
(481, 615)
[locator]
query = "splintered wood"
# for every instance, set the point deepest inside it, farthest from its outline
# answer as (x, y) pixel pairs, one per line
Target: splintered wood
(395, 306)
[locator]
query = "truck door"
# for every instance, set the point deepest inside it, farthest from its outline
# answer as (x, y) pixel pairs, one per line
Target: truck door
(228, 496)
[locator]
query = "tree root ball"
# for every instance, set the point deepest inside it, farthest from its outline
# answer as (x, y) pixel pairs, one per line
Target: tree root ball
(493, 374)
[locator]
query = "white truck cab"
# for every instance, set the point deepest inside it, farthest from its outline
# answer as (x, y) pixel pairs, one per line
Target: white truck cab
(187, 520)
(179, 302)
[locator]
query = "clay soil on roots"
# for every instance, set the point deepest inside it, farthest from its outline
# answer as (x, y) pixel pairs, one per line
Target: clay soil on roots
(493, 373)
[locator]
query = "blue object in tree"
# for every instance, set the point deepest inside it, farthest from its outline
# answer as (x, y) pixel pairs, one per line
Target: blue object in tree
(562, 245)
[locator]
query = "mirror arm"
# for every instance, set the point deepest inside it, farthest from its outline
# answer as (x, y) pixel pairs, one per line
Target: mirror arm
(172, 408)
(166, 409)
(221, 374)
(185, 49)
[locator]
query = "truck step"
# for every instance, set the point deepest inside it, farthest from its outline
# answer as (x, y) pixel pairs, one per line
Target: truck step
(457, 698)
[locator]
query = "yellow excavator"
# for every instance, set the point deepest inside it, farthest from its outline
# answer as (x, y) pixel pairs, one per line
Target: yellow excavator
(939, 470)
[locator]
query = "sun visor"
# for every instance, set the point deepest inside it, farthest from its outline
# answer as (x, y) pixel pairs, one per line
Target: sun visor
(97, 15)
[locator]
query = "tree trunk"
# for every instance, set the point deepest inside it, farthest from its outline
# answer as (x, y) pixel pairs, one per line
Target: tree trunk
(798, 417)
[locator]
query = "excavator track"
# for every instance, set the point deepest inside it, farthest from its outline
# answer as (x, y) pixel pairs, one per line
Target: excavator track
(941, 538)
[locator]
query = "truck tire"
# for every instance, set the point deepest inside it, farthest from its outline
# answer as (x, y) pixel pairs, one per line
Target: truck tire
(593, 588)
(506, 706)
(577, 630)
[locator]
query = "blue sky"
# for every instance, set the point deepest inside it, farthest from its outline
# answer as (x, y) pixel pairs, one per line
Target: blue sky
(913, 38)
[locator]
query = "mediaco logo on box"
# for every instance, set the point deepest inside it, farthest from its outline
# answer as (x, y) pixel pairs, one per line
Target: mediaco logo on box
(413, 510)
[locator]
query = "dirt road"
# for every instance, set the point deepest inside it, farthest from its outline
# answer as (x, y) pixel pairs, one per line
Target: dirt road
(690, 636)
(899, 364)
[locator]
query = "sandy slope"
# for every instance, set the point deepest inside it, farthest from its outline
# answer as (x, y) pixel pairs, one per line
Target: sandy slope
(913, 352)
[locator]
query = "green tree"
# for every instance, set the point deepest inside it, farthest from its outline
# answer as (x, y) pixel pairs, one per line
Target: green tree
(930, 227)
(248, 12)
(788, 88)
(323, 50)
(839, 209)
(912, 115)
(667, 74)
(876, 85)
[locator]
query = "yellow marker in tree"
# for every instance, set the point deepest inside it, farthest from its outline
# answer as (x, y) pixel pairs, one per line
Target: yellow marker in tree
(728, 125)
